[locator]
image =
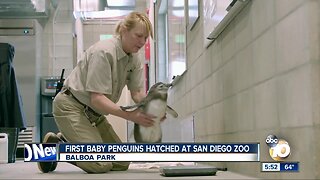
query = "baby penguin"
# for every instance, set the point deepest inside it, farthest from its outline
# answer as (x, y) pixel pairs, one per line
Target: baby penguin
(155, 103)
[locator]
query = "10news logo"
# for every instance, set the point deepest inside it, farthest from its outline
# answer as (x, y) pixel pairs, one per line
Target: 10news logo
(40, 152)
(279, 149)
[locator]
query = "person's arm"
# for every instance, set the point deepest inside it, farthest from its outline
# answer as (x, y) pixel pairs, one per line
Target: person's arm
(138, 95)
(103, 104)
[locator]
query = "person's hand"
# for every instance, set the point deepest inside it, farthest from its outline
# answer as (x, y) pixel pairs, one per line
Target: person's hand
(141, 118)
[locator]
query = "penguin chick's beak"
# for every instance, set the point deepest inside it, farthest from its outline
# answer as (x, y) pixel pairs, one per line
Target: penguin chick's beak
(169, 85)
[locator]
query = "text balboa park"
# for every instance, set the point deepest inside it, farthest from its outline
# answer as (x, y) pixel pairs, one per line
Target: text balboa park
(90, 157)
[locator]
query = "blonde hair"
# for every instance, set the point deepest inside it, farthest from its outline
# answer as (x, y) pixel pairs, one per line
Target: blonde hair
(131, 20)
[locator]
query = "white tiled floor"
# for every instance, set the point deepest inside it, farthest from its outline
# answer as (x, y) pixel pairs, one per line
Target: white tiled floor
(29, 170)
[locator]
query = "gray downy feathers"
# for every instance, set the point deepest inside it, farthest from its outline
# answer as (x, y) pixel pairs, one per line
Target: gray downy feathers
(155, 103)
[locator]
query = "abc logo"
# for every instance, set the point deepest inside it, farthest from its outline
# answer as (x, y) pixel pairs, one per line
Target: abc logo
(279, 149)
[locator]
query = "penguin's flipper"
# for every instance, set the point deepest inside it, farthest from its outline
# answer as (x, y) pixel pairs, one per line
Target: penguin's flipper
(138, 105)
(134, 107)
(172, 111)
(125, 108)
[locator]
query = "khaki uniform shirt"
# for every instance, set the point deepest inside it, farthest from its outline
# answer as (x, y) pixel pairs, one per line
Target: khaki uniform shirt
(105, 68)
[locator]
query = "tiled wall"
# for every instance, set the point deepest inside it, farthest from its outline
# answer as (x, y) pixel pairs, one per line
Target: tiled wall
(58, 43)
(260, 77)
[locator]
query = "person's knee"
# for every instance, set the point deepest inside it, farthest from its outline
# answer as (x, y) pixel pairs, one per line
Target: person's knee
(120, 166)
(95, 168)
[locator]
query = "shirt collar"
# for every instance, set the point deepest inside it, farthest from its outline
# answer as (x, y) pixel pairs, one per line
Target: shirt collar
(120, 52)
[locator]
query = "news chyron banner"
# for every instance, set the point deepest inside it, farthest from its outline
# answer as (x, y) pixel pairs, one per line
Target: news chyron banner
(143, 152)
